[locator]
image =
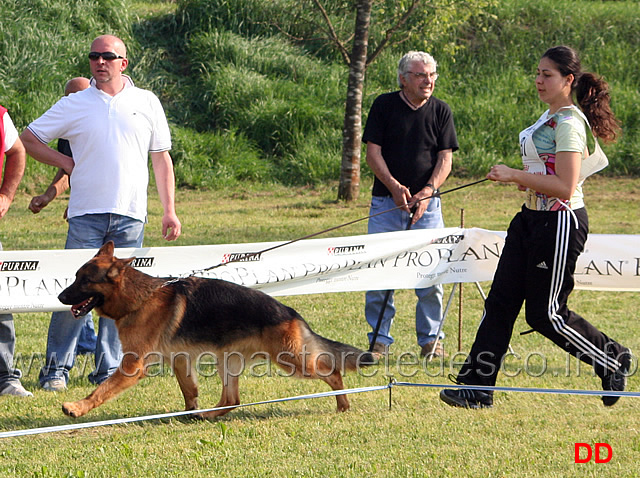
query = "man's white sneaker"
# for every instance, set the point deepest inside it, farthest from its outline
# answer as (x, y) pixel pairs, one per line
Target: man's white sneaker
(14, 389)
(55, 385)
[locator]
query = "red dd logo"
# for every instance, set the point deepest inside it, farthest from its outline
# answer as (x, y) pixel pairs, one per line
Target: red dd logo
(588, 451)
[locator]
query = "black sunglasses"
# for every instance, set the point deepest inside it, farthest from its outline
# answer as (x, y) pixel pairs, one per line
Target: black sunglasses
(107, 55)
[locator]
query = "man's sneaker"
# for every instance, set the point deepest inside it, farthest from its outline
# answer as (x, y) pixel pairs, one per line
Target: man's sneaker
(15, 389)
(433, 349)
(379, 350)
(467, 398)
(617, 381)
(54, 385)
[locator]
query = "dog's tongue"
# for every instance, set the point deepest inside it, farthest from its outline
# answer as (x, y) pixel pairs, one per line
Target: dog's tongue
(82, 308)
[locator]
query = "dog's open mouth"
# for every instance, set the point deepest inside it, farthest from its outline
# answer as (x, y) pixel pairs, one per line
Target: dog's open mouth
(84, 307)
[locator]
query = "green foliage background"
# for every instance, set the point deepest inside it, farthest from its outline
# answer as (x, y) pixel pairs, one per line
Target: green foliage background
(249, 102)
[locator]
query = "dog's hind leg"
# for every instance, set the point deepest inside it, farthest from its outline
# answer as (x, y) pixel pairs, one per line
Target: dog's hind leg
(312, 365)
(230, 398)
(229, 369)
(131, 370)
(334, 379)
(187, 379)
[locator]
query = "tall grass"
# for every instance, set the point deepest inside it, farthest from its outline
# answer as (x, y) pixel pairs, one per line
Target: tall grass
(213, 158)
(492, 90)
(274, 94)
(43, 44)
(249, 102)
(489, 81)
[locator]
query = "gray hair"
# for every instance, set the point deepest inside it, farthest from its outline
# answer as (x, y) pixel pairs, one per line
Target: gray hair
(409, 58)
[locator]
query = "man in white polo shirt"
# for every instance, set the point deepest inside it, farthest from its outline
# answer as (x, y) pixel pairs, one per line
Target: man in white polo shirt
(112, 128)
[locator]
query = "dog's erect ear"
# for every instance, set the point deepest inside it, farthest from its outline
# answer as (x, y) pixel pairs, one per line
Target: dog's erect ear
(106, 250)
(126, 262)
(118, 266)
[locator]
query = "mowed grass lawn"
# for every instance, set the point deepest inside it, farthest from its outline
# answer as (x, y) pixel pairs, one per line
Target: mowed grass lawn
(524, 435)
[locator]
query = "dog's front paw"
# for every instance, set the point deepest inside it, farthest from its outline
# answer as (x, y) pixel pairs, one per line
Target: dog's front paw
(195, 417)
(73, 409)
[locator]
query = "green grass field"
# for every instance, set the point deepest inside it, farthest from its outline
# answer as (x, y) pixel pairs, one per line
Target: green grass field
(524, 435)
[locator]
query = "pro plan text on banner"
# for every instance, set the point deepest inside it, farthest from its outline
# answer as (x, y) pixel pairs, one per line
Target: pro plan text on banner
(31, 280)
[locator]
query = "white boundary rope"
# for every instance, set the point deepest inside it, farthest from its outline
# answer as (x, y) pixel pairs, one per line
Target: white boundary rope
(556, 391)
(118, 421)
(389, 386)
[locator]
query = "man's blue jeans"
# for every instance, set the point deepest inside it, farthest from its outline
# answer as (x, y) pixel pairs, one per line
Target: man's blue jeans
(429, 306)
(87, 340)
(88, 232)
(7, 348)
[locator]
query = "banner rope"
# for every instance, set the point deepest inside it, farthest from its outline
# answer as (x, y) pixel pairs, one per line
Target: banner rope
(309, 236)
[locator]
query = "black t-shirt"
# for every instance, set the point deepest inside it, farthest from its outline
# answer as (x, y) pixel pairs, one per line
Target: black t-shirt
(410, 140)
(64, 147)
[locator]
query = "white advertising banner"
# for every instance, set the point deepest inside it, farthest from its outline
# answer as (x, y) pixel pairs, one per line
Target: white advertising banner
(31, 280)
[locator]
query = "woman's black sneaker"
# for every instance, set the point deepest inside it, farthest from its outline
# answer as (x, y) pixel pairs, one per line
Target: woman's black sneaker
(617, 381)
(467, 398)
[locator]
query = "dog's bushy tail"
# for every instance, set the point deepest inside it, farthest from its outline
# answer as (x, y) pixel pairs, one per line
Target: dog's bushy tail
(343, 356)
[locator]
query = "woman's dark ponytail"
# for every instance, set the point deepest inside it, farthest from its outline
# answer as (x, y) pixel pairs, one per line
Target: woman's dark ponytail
(592, 92)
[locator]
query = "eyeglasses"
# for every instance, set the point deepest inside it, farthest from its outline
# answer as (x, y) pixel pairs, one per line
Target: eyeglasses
(423, 76)
(106, 55)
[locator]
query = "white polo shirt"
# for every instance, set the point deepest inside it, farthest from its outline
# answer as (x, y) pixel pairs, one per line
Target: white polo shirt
(10, 133)
(10, 137)
(110, 137)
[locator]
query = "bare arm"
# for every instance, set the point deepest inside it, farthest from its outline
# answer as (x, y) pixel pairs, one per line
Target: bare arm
(13, 170)
(438, 177)
(59, 184)
(43, 153)
(560, 185)
(376, 162)
(165, 181)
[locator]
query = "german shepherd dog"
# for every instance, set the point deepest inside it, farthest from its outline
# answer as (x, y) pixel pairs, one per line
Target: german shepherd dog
(184, 318)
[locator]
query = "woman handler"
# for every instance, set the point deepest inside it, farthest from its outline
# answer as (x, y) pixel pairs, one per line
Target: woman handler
(546, 237)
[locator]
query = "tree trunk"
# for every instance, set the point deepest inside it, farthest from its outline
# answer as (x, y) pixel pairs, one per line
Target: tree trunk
(352, 131)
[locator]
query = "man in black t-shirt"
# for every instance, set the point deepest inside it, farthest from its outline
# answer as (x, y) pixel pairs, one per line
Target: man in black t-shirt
(410, 139)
